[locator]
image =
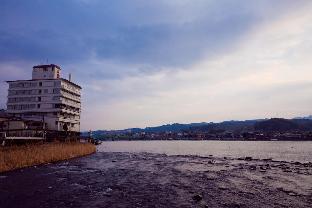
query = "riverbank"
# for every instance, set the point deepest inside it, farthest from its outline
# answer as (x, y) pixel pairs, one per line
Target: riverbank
(14, 157)
(158, 180)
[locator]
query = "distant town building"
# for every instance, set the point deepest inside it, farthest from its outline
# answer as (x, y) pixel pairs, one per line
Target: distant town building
(48, 98)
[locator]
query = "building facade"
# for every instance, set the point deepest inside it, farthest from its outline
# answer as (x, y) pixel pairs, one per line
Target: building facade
(47, 97)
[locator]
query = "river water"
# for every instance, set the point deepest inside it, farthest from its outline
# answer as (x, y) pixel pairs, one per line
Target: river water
(277, 150)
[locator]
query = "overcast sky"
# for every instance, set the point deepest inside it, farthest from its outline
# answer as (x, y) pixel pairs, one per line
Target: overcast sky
(145, 63)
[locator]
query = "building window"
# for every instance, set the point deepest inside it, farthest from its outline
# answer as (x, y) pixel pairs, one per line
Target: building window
(56, 91)
(40, 84)
(38, 106)
(57, 105)
(56, 98)
(40, 91)
(46, 91)
(39, 99)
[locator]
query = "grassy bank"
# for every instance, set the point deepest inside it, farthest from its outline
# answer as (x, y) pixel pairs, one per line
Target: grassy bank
(23, 156)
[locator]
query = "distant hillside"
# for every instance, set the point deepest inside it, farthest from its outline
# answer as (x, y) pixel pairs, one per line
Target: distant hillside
(264, 125)
(176, 127)
(307, 117)
(232, 126)
(282, 125)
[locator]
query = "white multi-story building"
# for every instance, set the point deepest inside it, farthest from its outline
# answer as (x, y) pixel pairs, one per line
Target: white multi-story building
(46, 97)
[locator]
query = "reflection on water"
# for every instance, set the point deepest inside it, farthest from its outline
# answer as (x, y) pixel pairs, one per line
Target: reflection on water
(277, 150)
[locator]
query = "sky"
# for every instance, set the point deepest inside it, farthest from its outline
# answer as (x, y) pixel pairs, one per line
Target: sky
(147, 63)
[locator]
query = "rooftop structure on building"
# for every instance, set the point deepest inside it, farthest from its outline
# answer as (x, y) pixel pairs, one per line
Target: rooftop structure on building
(47, 97)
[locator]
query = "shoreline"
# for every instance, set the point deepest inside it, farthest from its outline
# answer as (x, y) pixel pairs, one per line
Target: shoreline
(157, 180)
(194, 139)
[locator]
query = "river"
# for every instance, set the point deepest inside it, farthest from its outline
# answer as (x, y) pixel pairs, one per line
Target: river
(300, 151)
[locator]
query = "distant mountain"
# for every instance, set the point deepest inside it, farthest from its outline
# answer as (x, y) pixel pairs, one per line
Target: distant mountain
(264, 125)
(276, 124)
(227, 126)
(282, 125)
(176, 127)
(304, 124)
(307, 117)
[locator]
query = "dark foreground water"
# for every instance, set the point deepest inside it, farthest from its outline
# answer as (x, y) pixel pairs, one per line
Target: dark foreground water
(191, 174)
(278, 150)
(159, 181)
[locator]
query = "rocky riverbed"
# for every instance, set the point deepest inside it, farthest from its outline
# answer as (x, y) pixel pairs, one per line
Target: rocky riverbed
(157, 180)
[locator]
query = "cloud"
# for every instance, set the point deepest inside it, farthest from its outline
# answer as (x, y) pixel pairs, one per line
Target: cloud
(152, 33)
(150, 62)
(268, 76)
(10, 71)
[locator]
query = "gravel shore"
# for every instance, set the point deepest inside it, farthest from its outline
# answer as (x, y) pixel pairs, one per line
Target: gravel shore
(156, 180)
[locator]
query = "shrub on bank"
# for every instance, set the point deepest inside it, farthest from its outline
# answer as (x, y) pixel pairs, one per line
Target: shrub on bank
(15, 157)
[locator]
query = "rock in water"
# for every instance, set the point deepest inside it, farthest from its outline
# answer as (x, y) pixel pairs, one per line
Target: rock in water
(252, 167)
(248, 158)
(197, 197)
